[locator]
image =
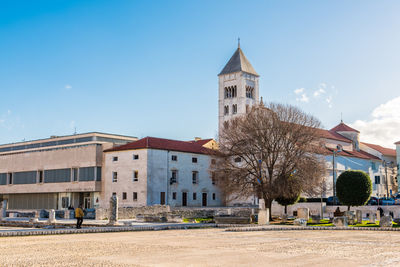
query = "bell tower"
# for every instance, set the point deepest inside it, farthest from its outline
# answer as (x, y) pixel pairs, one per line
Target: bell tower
(238, 88)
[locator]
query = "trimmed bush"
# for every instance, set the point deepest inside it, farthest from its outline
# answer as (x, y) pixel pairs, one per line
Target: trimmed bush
(353, 188)
(286, 201)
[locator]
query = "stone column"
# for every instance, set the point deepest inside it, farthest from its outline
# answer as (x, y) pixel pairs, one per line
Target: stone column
(113, 213)
(263, 217)
(66, 214)
(3, 211)
(359, 216)
(52, 216)
(303, 213)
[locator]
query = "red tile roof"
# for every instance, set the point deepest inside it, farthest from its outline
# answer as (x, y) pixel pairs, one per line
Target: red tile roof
(385, 151)
(341, 127)
(165, 144)
(355, 154)
(332, 135)
(397, 143)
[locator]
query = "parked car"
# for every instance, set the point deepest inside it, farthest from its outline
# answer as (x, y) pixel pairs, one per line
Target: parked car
(330, 201)
(373, 201)
(386, 201)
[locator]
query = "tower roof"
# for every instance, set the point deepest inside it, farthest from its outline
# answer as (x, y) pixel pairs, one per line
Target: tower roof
(238, 62)
(343, 128)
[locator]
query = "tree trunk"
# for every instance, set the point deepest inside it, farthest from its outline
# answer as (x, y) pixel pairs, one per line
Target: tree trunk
(286, 209)
(348, 208)
(268, 205)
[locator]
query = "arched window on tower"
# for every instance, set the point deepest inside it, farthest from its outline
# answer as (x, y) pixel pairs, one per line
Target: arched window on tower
(226, 110)
(226, 93)
(234, 109)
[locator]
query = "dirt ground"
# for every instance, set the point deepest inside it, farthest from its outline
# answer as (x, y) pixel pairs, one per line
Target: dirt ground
(205, 247)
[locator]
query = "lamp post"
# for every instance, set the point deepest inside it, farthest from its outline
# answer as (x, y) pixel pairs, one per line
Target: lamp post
(386, 164)
(335, 151)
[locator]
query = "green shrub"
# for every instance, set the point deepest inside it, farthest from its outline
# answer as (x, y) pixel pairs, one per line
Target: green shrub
(353, 188)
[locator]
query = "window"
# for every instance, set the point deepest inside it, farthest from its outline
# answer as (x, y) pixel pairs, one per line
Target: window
(174, 157)
(194, 196)
(75, 174)
(234, 109)
(226, 110)
(174, 195)
(40, 177)
(115, 158)
(135, 176)
(194, 160)
(213, 179)
(10, 178)
(124, 195)
(135, 156)
(213, 196)
(114, 194)
(174, 176)
(65, 202)
(238, 159)
(195, 177)
(373, 166)
(134, 196)
(377, 179)
(114, 177)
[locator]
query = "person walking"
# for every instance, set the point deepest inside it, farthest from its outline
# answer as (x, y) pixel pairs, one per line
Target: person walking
(79, 216)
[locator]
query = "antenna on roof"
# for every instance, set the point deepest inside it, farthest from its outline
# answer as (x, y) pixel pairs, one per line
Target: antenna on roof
(75, 131)
(341, 117)
(238, 42)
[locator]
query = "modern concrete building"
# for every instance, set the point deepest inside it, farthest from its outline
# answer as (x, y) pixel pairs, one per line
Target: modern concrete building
(56, 172)
(161, 171)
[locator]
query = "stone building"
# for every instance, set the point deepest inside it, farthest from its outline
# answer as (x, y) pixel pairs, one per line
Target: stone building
(56, 172)
(161, 171)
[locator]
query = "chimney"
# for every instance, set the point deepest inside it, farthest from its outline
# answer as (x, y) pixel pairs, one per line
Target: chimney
(197, 139)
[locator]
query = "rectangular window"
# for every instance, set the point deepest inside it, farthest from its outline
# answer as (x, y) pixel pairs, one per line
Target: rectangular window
(40, 176)
(174, 158)
(377, 179)
(194, 196)
(213, 196)
(135, 176)
(238, 159)
(195, 177)
(114, 177)
(213, 179)
(373, 166)
(135, 156)
(134, 196)
(124, 195)
(194, 160)
(115, 158)
(10, 178)
(75, 174)
(174, 195)
(174, 177)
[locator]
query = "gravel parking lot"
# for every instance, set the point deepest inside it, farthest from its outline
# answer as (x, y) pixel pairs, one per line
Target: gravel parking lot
(205, 247)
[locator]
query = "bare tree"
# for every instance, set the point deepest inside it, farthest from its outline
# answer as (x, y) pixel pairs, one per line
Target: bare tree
(269, 152)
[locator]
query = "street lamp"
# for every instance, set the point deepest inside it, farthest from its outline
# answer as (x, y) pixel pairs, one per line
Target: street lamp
(338, 149)
(391, 165)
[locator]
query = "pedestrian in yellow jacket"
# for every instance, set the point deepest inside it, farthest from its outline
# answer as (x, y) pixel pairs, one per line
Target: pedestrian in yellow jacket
(79, 216)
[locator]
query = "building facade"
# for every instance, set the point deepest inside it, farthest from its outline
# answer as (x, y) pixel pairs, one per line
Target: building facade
(57, 172)
(156, 171)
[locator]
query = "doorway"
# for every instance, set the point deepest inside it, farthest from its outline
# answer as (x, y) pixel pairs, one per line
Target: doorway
(162, 198)
(204, 199)
(87, 201)
(184, 199)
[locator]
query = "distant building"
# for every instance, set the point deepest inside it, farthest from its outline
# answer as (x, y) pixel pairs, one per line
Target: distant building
(161, 171)
(56, 172)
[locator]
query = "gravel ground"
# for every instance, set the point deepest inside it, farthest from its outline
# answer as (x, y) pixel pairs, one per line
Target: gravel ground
(205, 247)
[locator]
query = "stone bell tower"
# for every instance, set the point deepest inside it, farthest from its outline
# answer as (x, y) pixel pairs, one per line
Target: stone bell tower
(238, 88)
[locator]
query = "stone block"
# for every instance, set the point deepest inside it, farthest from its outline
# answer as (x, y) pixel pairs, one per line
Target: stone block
(284, 217)
(261, 204)
(300, 222)
(34, 220)
(351, 218)
(303, 213)
(263, 217)
(315, 219)
(52, 216)
(340, 221)
(372, 217)
(359, 216)
(66, 214)
(378, 215)
(386, 221)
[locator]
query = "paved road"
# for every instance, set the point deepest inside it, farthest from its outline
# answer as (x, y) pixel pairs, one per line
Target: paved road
(205, 247)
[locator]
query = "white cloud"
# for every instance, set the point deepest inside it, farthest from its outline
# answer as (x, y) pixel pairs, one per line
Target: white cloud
(303, 98)
(384, 126)
(67, 86)
(299, 91)
(319, 92)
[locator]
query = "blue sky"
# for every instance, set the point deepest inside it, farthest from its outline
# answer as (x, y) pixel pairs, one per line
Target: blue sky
(149, 68)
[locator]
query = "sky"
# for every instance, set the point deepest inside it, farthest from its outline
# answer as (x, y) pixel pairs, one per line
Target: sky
(149, 68)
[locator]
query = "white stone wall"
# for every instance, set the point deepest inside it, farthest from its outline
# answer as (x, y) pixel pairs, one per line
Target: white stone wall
(125, 166)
